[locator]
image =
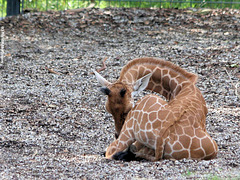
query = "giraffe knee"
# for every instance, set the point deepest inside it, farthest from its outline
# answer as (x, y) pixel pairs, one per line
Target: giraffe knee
(111, 150)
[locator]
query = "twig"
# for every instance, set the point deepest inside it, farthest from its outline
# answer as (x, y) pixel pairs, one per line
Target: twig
(91, 5)
(236, 90)
(15, 120)
(52, 71)
(35, 153)
(103, 66)
(235, 86)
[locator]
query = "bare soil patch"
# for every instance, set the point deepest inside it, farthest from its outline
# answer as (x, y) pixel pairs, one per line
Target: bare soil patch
(53, 123)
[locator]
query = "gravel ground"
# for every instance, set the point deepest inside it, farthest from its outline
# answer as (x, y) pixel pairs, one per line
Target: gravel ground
(54, 125)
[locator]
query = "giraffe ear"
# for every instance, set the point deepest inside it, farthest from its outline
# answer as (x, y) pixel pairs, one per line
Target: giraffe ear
(101, 79)
(141, 84)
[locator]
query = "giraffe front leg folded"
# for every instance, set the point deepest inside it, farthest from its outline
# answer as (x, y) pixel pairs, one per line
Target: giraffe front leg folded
(118, 146)
(146, 153)
(135, 152)
(114, 148)
(153, 153)
(159, 148)
(141, 151)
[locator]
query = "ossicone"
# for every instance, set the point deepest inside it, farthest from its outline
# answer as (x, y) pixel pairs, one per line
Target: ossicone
(101, 79)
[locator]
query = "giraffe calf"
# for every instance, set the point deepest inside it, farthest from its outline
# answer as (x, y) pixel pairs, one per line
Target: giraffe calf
(159, 129)
(162, 133)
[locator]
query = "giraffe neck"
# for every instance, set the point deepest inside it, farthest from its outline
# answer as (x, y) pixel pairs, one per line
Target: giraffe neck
(167, 79)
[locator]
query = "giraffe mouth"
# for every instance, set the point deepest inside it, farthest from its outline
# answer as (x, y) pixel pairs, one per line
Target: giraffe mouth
(116, 135)
(122, 120)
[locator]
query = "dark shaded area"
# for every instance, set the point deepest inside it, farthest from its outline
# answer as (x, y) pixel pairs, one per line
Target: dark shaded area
(126, 156)
(13, 7)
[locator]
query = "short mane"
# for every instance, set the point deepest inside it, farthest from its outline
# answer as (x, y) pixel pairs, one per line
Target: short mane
(159, 62)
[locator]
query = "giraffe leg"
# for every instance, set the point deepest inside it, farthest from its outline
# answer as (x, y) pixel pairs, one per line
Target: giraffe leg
(151, 154)
(131, 153)
(146, 153)
(125, 139)
(118, 146)
(136, 146)
(127, 155)
(159, 149)
(135, 152)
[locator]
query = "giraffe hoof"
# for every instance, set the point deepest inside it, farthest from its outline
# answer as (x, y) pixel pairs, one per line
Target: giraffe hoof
(126, 156)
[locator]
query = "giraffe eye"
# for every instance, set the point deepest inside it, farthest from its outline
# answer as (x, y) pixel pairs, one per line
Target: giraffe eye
(122, 92)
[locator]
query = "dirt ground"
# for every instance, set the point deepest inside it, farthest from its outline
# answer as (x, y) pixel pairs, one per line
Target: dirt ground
(53, 124)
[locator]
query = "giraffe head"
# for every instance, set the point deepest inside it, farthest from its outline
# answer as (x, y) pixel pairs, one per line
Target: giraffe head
(120, 97)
